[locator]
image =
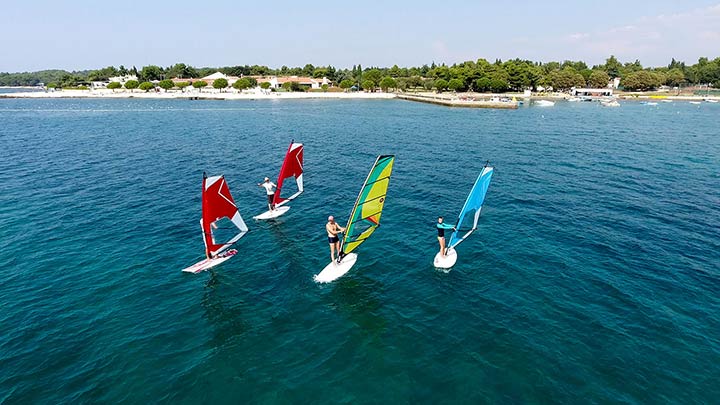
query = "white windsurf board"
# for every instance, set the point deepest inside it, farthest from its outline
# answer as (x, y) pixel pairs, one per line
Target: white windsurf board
(274, 213)
(210, 263)
(447, 261)
(335, 270)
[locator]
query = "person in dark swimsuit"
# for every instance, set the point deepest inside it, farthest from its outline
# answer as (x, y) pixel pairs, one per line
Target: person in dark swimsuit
(333, 229)
(441, 228)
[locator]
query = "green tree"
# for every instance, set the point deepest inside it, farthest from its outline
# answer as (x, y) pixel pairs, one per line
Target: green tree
(131, 84)
(325, 87)
(374, 75)
(287, 86)
(200, 84)
(112, 86)
(182, 71)
(151, 72)
(641, 81)
(53, 85)
(675, 77)
(166, 84)
(368, 85)
(220, 83)
(394, 71)
(414, 81)
(308, 70)
(346, 84)
(613, 67)
(483, 84)
(565, 79)
(146, 86)
(387, 82)
(598, 79)
(241, 84)
(456, 84)
(517, 74)
(320, 72)
(182, 85)
(440, 85)
(265, 85)
(498, 85)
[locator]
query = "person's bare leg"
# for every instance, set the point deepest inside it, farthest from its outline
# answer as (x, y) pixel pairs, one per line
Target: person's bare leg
(337, 247)
(442, 246)
(332, 252)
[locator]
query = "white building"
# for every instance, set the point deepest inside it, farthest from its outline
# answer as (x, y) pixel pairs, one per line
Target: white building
(122, 79)
(219, 75)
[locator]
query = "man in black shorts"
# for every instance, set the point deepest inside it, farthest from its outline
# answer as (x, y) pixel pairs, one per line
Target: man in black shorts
(269, 187)
(333, 229)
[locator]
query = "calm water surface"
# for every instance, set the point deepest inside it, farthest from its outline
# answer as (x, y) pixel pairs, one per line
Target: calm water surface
(594, 276)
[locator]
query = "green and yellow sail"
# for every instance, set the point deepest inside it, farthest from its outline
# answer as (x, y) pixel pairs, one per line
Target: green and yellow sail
(365, 215)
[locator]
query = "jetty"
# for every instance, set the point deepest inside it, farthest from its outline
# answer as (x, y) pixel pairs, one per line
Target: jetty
(468, 102)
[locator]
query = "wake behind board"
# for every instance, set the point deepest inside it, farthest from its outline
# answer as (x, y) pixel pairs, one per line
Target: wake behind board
(335, 270)
(273, 214)
(210, 263)
(445, 262)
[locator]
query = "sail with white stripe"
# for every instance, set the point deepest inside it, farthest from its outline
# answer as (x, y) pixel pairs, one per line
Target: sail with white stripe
(471, 209)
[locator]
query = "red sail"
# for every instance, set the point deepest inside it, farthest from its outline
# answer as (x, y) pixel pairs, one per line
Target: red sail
(217, 203)
(292, 167)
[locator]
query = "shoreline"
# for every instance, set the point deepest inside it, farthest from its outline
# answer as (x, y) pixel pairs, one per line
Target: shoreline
(447, 98)
(196, 95)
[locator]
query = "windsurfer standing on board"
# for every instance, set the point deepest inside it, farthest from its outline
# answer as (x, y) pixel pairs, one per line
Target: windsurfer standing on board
(333, 229)
(269, 188)
(441, 227)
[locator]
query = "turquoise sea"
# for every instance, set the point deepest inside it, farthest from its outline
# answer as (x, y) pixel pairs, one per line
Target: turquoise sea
(594, 276)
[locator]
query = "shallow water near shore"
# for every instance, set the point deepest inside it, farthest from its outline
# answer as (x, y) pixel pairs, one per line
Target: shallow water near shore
(594, 275)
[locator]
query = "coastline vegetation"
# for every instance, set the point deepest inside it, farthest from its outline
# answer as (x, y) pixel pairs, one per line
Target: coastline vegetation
(480, 75)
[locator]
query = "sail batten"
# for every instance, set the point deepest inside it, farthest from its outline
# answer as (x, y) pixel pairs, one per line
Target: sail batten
(366, 213)
(292, 167)
(473, 203)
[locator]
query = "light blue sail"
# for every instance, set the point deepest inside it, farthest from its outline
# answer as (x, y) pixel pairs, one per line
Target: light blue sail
(474, 204)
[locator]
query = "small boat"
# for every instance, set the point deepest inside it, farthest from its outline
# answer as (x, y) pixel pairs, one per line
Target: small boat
(473, 205)
(711, 100)
(217, 204)
(695, 102)
(651, 103)
(610, 103)
(574, 99)
(544, 103)
(666, 101)
(292, 167)
(364, 218)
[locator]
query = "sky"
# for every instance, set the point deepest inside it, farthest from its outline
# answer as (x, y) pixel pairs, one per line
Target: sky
(82, 34)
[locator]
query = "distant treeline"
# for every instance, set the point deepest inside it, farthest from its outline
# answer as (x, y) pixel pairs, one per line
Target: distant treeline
(480, 75)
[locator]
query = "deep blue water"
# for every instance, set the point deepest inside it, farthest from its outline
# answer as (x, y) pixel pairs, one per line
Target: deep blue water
(594, 276)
